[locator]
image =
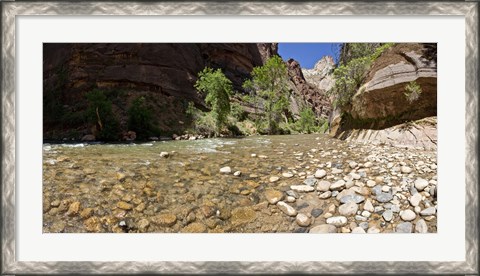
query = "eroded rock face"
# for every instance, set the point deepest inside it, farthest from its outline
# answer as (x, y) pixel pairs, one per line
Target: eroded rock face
(381, 106)
(164, 73)
(321, 74)
(383, 96)
(307, 92)
(421, 133)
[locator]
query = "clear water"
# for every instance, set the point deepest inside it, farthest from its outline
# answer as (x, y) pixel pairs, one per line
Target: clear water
(188, 184)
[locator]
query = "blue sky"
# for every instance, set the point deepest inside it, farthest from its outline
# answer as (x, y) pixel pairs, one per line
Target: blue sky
(307, 54)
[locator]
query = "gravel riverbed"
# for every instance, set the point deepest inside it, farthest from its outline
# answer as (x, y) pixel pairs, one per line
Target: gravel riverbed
(262, 184)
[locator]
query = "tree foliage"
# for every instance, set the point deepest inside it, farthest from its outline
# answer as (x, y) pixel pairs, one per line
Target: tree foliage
(307, 121)
(350, 76)
(99, 113)
(140, 119)
(269, 87)
(218, 89)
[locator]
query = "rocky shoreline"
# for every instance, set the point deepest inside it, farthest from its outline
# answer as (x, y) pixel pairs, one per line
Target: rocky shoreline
(335, 187)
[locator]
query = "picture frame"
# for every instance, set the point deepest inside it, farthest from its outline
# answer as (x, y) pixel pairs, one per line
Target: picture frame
(11, 10)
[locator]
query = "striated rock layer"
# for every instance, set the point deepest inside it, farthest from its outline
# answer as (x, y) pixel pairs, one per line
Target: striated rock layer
(321, 74)
(418, 134)
(382, 102)
(306, 92)
(164, 73)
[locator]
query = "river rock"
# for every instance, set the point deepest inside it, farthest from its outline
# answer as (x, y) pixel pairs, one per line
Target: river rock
(371, 183)
(287, 175)
(237, 173)
(86, 213)
(366, 214)
(384, 197)
(302, 188)
(352, 164)
(316, 212)
(194, 227)
(287, 209)
(415, 199)
(337, 221)
(325, 195)
(368, 164)
(92, 224)
(121, 176)
(310, 181)
(302, 220)
(292, 193)
(340, 184)
(323, 186)
(274, 178)
(73, 209)
(408, 215)
(387, 215)
(124, 206)
(360, 218)
(323, 229)
(336, 171)
(164, 154)
(352, 198)
(421, 184)
(226, 170)
(406, 169)
(385, 188)
(348, 209)
(358, 230)
(368, 206)
(430, 211)
(320, 173)
(273, 196)
(143, 224)
(421, 226)
(404, 227)
(165, 220)
(395, 208)
(373, 230)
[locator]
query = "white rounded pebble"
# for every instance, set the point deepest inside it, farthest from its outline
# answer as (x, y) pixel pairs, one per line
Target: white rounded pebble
(421, 184)
(337, 221)
(226, 170)
(408, 215)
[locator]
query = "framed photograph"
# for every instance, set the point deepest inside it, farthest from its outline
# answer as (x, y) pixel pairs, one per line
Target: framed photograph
(240, 137)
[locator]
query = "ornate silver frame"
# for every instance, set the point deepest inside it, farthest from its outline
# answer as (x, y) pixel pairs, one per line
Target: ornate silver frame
(470, 10)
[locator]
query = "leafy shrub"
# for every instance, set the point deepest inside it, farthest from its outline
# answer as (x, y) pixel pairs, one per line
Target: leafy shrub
(99, 113)
(140, 119)
(412, 91)
(307, 122)
(238, 112)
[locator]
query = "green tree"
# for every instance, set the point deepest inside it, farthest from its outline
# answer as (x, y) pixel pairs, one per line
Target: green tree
(350, 75)
(140, 119)
(307, 121)
(270, 83)
(99, 112)
(218, 89)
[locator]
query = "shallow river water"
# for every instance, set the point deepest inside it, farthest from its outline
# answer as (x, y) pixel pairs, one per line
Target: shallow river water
(135, 188)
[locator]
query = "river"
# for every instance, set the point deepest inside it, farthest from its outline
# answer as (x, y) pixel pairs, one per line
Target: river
(134, 188)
